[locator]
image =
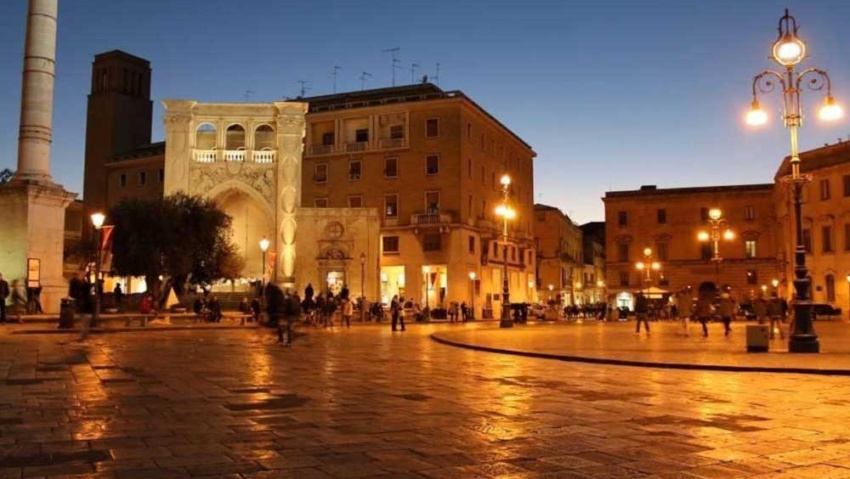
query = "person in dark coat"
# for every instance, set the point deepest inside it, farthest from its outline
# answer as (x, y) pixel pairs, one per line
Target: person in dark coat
(118, 293)
(4, 293)
(641, 312)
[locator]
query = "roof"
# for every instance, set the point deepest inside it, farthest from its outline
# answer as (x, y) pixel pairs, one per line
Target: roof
(113, 54)
(144, 151)
(652, 190)
(812, 160)
(391, 95)
(542, 207)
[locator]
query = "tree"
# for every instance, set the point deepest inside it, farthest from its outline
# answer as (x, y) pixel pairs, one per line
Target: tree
(178, 236)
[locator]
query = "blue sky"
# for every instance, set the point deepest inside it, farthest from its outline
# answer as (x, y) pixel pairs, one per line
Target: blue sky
(611, 94)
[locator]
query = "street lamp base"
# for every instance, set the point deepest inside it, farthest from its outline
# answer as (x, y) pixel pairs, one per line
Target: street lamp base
(506, 323)
(804, 344)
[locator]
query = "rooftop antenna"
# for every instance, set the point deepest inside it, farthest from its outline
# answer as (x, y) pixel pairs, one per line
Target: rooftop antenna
(437, 75)
(304, 88)
(395, 61)
(413, 67)
(248, 94)
(336, 70)
(363, 77)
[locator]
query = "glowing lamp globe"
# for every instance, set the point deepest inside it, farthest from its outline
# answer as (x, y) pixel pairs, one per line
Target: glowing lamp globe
(702, 236)
(714, 213)
(756, 116)
(728, 235)
(830, 111)
(789, 50)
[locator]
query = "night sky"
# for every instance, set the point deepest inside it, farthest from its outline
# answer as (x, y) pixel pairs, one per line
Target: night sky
(611, 94)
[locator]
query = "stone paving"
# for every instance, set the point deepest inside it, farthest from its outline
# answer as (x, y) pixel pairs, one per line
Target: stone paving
(366, 402)
(667, 345)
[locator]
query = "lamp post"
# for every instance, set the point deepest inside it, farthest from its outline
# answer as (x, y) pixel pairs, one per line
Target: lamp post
(362, 287)
(648, 265)
(507, 213)
(719, 229)
(427, 270)
(775, 283)
(264, 246)
(848, 294)
(97, 220)
(472, 294)
(788, 51)
(530, 291)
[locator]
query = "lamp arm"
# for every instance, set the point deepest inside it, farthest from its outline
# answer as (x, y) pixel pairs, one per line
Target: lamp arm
(816, 83)
(763, 83)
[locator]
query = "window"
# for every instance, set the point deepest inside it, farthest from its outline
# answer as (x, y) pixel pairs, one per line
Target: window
(122, 180)
(706, 252)
(320, 173)
(469, 206)
(355, 201)
(495, 250)
(391, 206)
(471, 244)
(143, 178)
(622, 218)
(513, 253)
(389, 244)
(826, 232)
(432, 201)
(703, 214)
(431, 242)
(469, 131)
(161, 175)
(624, 278)
(846, 180)
(432, 164)
(749, 249)
(469, 168)
(824, 189)
(397, 132)
(623, 250)
(749, 213)
(846, 236)
(390, 167)
(432, 128)
(830, 288)
(354, 170)
(807, 240)
(320, 202)
(361, 136)
(661, 214)
(328, 138)
(752, 276)
(661, 249)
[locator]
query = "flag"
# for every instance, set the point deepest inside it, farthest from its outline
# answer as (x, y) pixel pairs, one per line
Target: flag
(105, 251)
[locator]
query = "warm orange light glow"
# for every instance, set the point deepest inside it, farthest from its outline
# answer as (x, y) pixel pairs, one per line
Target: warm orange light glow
(775, 283)
(756, 116)
(505, 211)
(656, 266)
(264, 244)
(472, 275)
(728, 235)
(789, 50)
(703, 236)
(830, 111)
(506, 180)
(647, 251)
(715, 213)
(97, 220)
(640, 265)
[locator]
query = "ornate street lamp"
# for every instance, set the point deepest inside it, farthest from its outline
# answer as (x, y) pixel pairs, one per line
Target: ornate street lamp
(362, 287)
(264, 246)
(97, 220)
(507, 213)
(719, 229)
(848, 293)
(427, 271)
(648, 265)
(788, 51)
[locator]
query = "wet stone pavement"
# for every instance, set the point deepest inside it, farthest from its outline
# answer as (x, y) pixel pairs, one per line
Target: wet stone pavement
(368, 403)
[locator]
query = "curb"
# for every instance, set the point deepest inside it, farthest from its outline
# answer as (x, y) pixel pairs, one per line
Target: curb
(641, 364)
(130, 330)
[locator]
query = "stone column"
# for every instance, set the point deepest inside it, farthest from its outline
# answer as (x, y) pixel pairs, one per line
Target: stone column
(37, 93)
(290, 141)
(178, 145)
(33, 207)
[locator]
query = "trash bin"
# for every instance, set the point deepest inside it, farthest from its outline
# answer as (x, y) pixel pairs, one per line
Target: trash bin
(757, 338)
(67, 311)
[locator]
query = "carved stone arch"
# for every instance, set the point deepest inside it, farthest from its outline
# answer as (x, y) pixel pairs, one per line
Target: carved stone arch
(826, 219)
(662, 238)
(807, 221)
(620, 239)
(750, 235)
(221, 190)
(334, 253)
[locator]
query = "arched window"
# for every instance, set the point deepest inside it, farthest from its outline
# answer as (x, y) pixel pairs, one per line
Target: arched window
(264, 138)
(205, 137)
(830, 288)
(235, 138)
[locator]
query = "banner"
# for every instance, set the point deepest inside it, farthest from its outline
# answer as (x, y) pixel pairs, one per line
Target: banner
(270, 266)
(106, 248)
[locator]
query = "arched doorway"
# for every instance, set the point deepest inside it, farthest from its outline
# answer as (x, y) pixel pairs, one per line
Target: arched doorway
(250, 223)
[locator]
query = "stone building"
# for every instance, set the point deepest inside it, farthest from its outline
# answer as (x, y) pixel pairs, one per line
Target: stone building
(593, 246)
(826, 223)
(408, 178)
(560, 257)
(430, 161)
(668, 221)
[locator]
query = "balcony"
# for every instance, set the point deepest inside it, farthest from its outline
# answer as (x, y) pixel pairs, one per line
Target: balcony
(390, 143)
(321, 149)
(205, 156)
(264, 157)
(234, 155)
(434, 218)
(356, 146)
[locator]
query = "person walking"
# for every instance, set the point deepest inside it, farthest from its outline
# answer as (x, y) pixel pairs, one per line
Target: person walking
(641, 311)
(347, 311)
(292, 313)
(774, 311)
(4, 293)
(118, 294)
(685, 309)
(727, 311)
(703, 312)
(760, 309)
(395, 312)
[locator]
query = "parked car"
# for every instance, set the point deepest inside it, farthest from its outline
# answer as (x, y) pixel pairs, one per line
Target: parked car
(537, 310)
